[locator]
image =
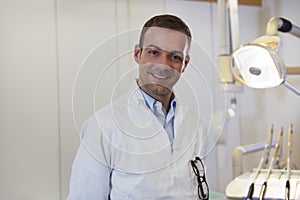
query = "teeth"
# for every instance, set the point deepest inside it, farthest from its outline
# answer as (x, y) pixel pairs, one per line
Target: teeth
(159, 76)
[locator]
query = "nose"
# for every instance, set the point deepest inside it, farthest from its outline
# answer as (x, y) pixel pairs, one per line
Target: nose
(164, 60)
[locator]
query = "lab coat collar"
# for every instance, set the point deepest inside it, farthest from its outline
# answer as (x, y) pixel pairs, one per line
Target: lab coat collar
(136, 97)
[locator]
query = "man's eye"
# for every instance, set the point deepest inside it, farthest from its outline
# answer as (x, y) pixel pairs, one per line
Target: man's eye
(176, 58)
(153, 52)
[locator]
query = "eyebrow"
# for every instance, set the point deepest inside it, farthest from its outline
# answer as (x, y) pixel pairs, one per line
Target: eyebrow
(157, 47)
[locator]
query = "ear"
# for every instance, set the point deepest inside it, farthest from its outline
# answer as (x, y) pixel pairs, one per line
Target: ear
(137, 53)
(186, 62)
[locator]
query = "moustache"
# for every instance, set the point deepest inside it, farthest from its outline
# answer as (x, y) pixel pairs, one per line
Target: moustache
(161, 70)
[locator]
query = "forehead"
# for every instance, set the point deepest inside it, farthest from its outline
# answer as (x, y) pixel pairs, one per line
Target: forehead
(166, 39)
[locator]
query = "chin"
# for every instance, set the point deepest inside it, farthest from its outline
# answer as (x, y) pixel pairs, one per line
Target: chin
(159, 90)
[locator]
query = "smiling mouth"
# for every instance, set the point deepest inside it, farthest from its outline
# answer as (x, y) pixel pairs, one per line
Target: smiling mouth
(159, 76)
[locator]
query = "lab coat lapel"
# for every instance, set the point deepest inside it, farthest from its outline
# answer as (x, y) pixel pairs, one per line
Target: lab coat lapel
(186, 129)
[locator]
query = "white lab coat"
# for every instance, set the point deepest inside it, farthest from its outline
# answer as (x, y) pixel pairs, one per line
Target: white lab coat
(125, 153)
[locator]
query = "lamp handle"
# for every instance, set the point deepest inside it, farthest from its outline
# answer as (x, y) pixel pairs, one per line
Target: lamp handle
(287, 27)
(291, 87)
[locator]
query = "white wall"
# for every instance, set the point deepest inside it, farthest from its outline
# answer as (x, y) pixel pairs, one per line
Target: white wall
(43, 46)
(81, 25)
(29, 147)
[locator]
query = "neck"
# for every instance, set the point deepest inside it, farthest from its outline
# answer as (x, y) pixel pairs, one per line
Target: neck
(165, 99)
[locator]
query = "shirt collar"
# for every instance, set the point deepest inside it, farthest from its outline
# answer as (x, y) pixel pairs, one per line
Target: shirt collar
(150, 102)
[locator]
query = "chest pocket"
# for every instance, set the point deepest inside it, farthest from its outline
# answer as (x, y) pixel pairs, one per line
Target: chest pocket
(169, 183)
(179, 181)
(186, 178)
(133, 186)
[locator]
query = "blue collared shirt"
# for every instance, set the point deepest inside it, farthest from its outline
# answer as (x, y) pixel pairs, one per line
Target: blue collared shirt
(166, 121)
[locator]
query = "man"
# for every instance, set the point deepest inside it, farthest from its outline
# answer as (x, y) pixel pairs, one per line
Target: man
(141, 145)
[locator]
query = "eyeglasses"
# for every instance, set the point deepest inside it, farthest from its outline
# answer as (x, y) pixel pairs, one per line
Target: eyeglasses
(198, 168)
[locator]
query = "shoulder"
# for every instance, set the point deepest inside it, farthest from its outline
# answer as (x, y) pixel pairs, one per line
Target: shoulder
(118, 111)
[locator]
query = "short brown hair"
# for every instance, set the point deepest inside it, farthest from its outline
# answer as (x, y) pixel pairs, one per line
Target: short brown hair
(169, 22)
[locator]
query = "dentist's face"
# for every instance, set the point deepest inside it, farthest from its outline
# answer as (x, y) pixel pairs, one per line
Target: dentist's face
(161, 60)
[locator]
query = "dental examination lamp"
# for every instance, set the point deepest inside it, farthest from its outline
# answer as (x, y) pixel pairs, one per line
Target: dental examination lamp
(258, 64)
